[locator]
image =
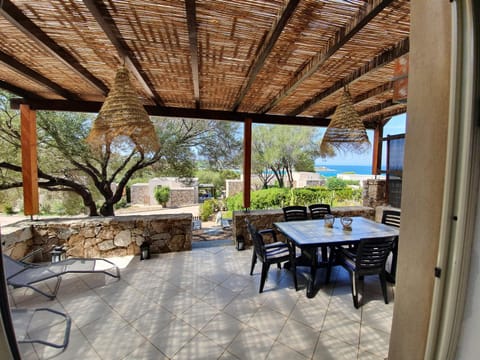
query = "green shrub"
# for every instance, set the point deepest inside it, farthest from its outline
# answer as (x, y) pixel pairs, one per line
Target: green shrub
(45, 208)
(72, 204)
(235, 202)
(58, 208)
(269, 198)
(334, 183)
(9, 209)
(275, 198)
(162, 195)
(208, 208)
(121, 204)
(227, 214)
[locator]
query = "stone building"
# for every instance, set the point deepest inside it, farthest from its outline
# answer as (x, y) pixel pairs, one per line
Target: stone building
(181, 193)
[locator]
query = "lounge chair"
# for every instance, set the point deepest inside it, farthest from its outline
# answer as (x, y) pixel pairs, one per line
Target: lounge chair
(23, 274)
(28, 326)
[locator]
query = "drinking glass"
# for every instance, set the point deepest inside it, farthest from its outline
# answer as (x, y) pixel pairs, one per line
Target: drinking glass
(329, 220)
(346, 222)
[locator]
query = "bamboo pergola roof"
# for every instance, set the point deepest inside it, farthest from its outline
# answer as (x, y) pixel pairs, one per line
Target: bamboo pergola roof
(275, 61)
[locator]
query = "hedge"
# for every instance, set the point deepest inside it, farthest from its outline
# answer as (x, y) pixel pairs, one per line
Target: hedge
(275, 198)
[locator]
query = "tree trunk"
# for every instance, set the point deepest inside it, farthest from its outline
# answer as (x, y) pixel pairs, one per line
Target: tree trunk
(289, 176)
(279, 177)
(92, 208)
(87, 200)
(107, 209)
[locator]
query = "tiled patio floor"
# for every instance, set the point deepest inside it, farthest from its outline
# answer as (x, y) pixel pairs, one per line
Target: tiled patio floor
(203, 304)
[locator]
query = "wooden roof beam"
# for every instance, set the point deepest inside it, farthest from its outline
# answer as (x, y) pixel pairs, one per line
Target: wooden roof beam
(378, 107)
(264, 51)
(105, 21)
(94, 107)
(33, 32)
(190, 8)
(18, 67)
(373, 117)
(380, 60)
(342, 37)
(19, 91)
(361, 97)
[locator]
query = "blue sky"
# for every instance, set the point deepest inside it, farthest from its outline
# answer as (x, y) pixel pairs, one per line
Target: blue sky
(396, 125)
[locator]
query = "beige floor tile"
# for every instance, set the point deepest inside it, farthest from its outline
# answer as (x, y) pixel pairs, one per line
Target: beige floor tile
(178, 303)
(299, 337)
(365, 355)
(220, 297)
(269, 322)
(281, 300)
(199, 314)
(162, 292)
(134, 309)
(87, 309)
(119, 345)
(222, 329)
(204, 304)
(374, 341)
(78, 345)
(378, 315)
(198, 286)
(174, 336)
(339, 311)
(345, 329)
(332, 348)
(251, 344)
(153, 322)
(199, 348)
(228, 356)
(27, 352)
(311, 312)
(241, 309)
(280, 351)
(236, 282)
(107, 324)
(146, 351)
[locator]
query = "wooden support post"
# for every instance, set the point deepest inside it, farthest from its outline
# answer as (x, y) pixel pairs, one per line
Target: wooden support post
(29, 160)
(247, 162)
(377, 149)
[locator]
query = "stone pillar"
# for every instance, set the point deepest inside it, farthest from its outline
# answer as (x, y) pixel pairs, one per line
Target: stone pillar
(374, 192)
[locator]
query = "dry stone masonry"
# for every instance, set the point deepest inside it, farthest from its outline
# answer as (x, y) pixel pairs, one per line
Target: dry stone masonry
(101, 237)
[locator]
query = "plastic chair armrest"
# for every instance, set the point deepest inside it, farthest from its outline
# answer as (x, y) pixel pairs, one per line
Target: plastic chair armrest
(30, 255)
(270, 232)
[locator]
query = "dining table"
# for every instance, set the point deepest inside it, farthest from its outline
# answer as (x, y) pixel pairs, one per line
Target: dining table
(309, 235)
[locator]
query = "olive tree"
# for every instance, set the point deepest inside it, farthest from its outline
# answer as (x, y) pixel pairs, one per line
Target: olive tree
(67, 163)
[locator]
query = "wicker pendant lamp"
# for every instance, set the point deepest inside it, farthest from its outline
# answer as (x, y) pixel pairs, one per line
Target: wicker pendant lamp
(122, 119)
(346, 132)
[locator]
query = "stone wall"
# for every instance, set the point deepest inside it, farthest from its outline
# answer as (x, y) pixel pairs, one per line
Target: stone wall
(139, 194)
(182, 197)
(100, 237)
(374, 192)
(233, 187)
(173, 183)
(264, 219)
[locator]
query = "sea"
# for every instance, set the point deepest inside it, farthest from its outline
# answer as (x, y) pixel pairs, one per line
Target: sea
(334, 170)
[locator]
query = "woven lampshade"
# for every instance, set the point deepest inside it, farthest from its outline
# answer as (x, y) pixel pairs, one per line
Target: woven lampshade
(346, 132)
(122, 118)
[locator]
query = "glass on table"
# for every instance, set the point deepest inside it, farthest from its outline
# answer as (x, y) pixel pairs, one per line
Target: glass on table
(346, 222)
(329, 220)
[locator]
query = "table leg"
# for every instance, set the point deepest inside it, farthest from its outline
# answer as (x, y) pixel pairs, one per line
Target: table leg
(312, 255)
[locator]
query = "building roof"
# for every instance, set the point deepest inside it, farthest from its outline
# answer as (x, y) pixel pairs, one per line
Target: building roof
(276, 61)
